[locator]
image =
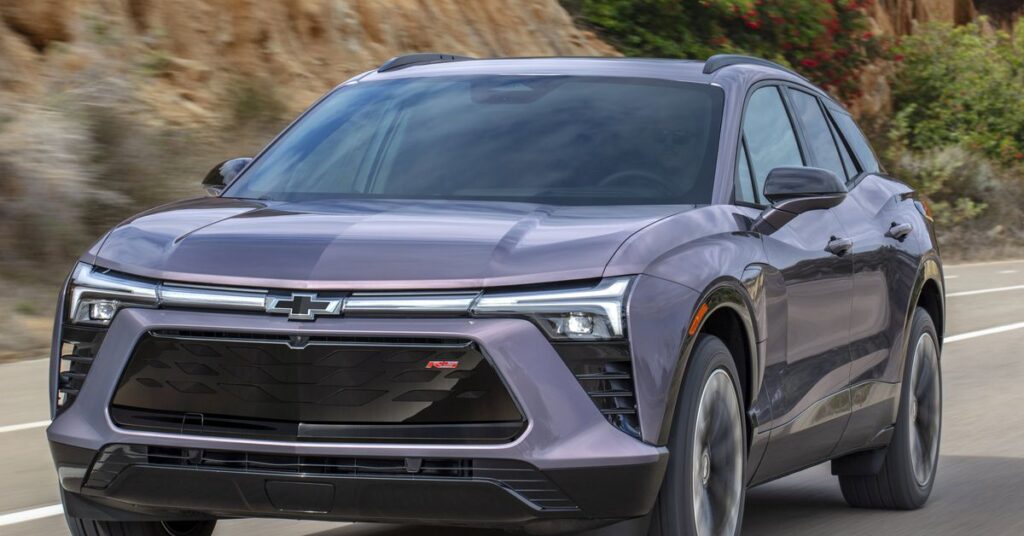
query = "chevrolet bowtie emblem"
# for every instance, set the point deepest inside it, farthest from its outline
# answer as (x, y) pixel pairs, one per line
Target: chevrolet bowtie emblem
(303, 306)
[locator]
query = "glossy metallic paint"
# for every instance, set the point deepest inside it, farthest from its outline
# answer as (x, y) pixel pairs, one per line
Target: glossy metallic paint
(825, 333)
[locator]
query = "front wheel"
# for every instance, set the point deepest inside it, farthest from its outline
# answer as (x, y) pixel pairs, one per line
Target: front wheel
(911, 459)
(703, 492)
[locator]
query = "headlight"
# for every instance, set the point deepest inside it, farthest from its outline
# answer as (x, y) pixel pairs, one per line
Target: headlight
(595, 313)
(94, 296)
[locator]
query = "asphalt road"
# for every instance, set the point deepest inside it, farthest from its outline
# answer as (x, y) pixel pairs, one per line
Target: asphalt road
(979, 490)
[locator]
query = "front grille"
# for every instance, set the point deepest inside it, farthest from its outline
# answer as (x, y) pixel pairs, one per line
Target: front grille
(519, 477)
(347, 340)
(319, 387)
(79, 345)
(605, 371)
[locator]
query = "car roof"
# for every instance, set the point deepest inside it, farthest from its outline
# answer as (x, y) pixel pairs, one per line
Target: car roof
(726, 71)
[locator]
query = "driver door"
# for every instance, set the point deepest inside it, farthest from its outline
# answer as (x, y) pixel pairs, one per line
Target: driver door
(808, 360)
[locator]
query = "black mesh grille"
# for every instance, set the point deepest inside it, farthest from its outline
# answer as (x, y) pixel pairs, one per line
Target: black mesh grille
(300, 387)
(519, 477)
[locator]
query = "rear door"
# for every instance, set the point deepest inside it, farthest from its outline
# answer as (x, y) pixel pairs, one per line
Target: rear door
(808, 360)
(877, 214)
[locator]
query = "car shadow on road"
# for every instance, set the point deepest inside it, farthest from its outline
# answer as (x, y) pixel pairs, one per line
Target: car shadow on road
(972, 495)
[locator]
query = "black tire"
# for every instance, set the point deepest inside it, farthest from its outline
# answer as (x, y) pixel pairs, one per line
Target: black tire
(90, 527)
(898, 485)
(721, 468)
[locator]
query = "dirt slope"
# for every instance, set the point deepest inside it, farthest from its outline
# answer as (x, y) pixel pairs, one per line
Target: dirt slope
(180, 57)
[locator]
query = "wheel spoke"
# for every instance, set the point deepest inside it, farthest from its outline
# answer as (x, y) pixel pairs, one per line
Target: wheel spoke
(718, 436)
(923, 425)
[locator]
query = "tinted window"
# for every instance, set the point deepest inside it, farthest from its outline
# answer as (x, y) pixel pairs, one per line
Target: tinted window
(857, 141)
(769, 134)
(546, 139)
(817, 133)
(844, 152)
(744, 180)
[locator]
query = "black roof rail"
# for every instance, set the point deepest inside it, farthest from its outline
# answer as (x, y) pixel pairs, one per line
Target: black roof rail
(719, 61)
(399, 62)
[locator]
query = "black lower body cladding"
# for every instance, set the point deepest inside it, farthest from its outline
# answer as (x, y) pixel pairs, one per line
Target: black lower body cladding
(133, 482)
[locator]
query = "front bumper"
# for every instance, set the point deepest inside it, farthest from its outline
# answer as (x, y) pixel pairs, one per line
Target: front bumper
(603, 473)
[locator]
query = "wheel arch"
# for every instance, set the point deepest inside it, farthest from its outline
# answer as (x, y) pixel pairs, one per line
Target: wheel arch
(931, 296)
(727, 311)
(929, 293)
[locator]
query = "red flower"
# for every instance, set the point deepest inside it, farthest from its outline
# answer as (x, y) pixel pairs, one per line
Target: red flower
(898, 57)
(809, 63)
(753, 24)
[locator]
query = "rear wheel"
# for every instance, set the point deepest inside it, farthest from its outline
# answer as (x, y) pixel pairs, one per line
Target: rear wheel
(911, 459)
(703, 491)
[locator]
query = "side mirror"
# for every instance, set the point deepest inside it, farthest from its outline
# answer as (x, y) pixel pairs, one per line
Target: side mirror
(223, 174)
(795, 190)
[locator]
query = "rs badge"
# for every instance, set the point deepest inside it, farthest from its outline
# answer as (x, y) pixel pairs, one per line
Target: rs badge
(442, 364)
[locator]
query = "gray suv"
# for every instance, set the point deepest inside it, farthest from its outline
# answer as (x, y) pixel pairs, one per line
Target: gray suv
(552, 295)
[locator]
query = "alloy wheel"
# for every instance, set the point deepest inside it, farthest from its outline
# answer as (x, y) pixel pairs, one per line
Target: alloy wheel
(925, 414)
(717, 458)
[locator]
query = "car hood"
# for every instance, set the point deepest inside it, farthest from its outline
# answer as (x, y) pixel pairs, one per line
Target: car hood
(371, 244)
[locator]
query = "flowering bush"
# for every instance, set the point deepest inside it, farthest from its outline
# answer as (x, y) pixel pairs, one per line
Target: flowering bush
(826, 40)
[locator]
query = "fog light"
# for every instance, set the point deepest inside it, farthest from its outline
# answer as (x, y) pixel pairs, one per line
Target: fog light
(579, 324)
(102, 311)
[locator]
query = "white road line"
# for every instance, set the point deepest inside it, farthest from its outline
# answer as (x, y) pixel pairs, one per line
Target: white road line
(952, 276)
(1008, 261)
(984, 291)
(984, 332)
(31, 515)
(1007, 271)
(23, 426)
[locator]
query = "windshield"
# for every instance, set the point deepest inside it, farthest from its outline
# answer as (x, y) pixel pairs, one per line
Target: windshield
(540, 139)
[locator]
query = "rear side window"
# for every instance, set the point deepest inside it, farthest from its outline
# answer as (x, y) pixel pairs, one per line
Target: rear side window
(817, 133)
(771, 141)
(857, 141)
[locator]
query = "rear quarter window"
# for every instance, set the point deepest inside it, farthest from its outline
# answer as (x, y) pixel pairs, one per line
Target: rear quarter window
(857, 141)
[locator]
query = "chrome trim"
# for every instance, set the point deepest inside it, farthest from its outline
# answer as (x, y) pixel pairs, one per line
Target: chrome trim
(181, 296)
(607, 298)
(87, 283)
(364, 302)
(238, 340)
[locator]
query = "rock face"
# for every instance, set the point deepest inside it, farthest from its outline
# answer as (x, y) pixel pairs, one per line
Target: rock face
(179, 61)
(180, 57)
(898, 17)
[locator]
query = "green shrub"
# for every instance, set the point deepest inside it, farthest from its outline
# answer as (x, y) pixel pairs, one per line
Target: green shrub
(828, 41)
(961, 85)
(955, 181)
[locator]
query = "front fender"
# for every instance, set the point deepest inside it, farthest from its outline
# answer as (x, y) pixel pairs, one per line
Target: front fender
(664, 321)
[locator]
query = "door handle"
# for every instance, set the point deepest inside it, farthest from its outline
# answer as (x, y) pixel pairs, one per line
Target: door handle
(899, 231)
(839, 246)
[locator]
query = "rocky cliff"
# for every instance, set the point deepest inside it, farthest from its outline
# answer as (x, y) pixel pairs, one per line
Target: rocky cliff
(180, 57)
